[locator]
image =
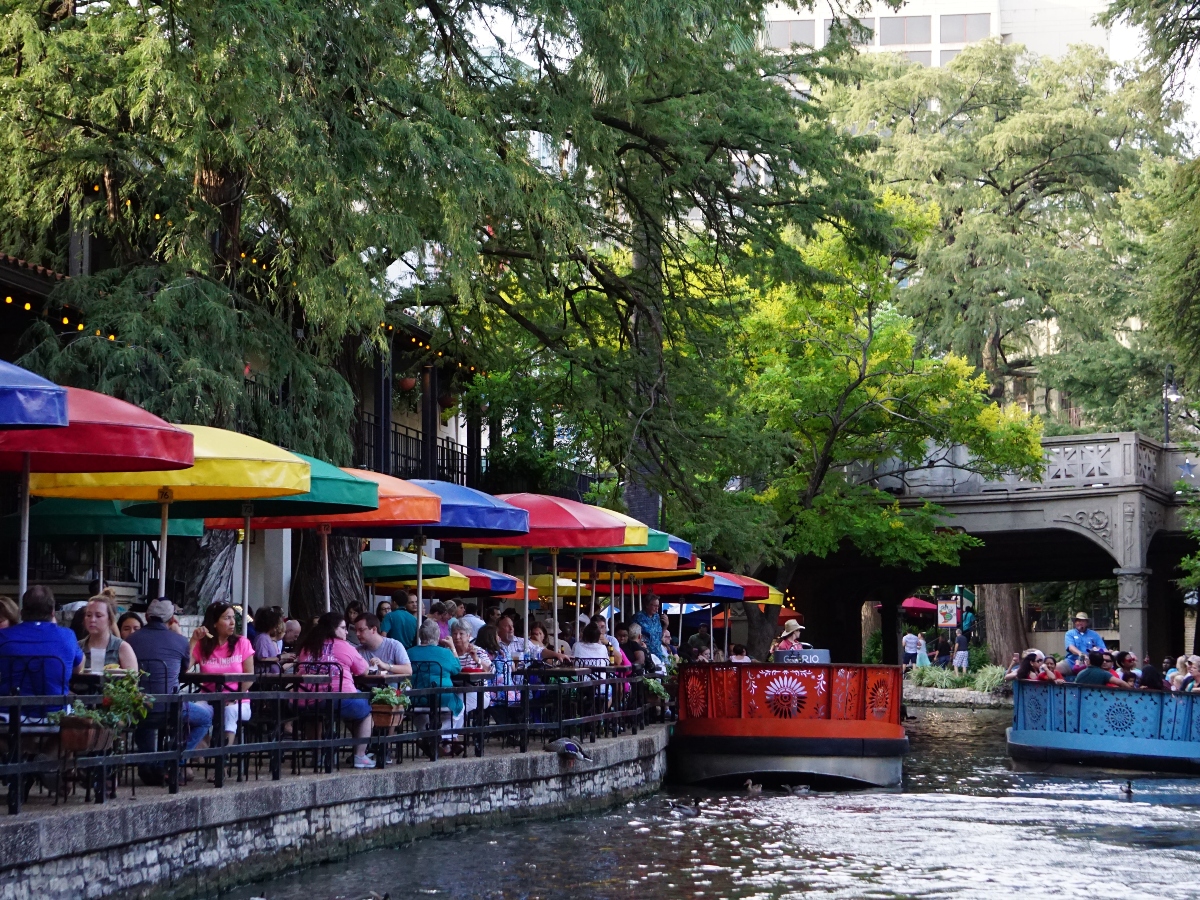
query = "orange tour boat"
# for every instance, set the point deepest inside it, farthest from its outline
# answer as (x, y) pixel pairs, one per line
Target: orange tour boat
(788, 722)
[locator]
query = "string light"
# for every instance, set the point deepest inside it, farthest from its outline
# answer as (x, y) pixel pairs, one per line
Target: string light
(97, 332)
(96, 187)
(8, 299)
(112, 337)
(28, 307)
(243, 256)
(253, 260)
(66, 321)
(264, 266)
(157, 217)
(80, 327)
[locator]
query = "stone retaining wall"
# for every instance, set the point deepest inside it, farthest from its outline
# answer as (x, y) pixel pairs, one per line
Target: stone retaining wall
(960, 697)
(204, 840)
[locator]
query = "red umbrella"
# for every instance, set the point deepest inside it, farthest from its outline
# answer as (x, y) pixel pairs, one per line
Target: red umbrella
(752, 588)
(916, 604)
(103, 434)
(557, 523)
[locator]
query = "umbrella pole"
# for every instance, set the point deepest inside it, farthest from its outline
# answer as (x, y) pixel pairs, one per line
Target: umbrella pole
(246, 573)
(165, 508)
(325, 562)
(711, 643)
(23, 549)
(525, 614)
(594, 566)
(554, 585)
(101, 563)
(420, 586)
(578, 594)
(728, 622)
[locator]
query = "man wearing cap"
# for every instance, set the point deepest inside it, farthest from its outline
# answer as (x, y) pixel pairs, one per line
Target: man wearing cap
(163, 654)
(1081, 640)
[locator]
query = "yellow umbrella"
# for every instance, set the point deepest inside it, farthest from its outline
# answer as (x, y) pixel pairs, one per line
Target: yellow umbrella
(229, 466)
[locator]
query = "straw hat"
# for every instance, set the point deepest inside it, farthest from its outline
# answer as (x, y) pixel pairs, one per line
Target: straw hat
(1081, 615)
(792, 627)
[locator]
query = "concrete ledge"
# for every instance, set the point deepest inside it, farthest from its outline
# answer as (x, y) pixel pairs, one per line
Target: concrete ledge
(957, 697)
(197, 843)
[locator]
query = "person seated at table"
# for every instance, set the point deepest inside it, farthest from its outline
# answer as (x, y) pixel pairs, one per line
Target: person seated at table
(737, 654)
(401, 624)
(539, 639)
(516, 648)
(440, 613)
(128, 624)
(635, 649)
(605, 638)
(162, 656)
(9, 614)
(219, 650)
(382, 608)
(488, 640)
(591, 650)
(473, 659)
(102, 646)
(435, 666)
(470, 618)
(385, 654)
(326, 642)
(292, 630)
(268, 643)
(668, 645)
(37, 655)
(354, 609)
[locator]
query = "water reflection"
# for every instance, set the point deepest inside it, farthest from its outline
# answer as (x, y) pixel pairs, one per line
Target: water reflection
(964, 825)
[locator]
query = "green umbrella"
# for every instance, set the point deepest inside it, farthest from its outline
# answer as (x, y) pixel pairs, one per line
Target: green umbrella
(57, 518)
(380, 564)
(332, 491)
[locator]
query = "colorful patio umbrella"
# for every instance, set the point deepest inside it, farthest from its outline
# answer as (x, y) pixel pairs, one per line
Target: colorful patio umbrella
(332, 492)
(56, 519)
(30, 401)
(465, 580)
(916, 604)
(397, 565)
(752, 588)
(228, 466)
(103, 434)
(466, 514)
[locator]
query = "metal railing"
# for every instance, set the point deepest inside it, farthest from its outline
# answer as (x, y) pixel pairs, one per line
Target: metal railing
(299, 731)
(405, 453)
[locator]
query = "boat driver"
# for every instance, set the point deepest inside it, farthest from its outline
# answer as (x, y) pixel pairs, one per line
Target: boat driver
(1081, 640)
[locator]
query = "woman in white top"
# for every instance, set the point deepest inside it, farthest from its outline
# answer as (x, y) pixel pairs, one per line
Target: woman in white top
(102, 647)
(590, 651)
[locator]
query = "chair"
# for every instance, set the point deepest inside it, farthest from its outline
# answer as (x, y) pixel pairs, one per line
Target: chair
(429, 675)
(317, 718)
(31, 676)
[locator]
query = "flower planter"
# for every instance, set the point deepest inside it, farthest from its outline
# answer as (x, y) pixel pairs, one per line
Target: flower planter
(407, 383)
(78, 735)
(386, 716)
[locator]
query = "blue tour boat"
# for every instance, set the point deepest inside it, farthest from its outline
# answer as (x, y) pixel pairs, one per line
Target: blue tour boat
(1107, 727)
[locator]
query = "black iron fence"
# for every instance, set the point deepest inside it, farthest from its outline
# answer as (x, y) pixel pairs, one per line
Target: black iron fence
(404, 454)
(298, 731)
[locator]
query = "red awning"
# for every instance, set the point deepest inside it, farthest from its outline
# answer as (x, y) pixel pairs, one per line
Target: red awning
(103, 434)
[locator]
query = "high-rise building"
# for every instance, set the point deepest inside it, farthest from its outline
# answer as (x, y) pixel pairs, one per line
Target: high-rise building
(933, 32)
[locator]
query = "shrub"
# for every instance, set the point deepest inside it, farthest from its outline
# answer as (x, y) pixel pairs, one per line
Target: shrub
(978, 658)
(873, 652)
(989, 678)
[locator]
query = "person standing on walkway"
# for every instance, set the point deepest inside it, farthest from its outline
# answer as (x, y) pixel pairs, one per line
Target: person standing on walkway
(962, 658)
(922, 652)
(650, 622)
(401, 624)
(911, 644)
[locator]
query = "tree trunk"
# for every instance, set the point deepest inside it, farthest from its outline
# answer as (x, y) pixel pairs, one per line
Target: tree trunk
(345, 575)
(205, 567)
(1000, 605)
(871, 623)
(761, 629)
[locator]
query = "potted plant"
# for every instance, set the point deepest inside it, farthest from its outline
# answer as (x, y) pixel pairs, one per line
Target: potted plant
(387, 706)
(90, 729)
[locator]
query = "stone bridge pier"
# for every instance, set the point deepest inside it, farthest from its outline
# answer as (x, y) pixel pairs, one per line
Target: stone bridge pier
(1107, 505)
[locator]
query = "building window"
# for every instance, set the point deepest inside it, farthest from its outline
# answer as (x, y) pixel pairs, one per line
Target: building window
(966, 28)
(947, 55)
(924, 57)
(905, 30)
(781, 35)
(862, 31)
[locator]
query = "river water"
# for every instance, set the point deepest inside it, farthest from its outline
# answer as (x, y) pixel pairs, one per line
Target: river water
(965, 825)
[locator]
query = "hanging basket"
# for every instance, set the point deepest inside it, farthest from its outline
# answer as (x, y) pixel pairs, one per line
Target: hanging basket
(408, 382)
(385, 716)
(78, 735)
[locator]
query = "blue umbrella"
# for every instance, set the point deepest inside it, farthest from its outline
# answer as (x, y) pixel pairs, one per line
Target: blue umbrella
(466, 513)
(681, 547)
(30, 401)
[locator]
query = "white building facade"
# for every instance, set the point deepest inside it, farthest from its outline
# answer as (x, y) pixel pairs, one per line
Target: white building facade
(933, 32)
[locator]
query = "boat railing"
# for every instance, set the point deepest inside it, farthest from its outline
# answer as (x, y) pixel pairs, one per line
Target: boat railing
(862, 693)
(1105, 712)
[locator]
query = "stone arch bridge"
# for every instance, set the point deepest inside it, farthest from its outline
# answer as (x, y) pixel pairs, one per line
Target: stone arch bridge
(1107, 504)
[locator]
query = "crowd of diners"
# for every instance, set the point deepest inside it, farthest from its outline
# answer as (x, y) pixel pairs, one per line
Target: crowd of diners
(1088, 660)
(452, 638)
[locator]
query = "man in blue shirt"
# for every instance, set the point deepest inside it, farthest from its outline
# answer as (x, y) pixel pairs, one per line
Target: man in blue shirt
(1081, 640)
(38, 656)
(401, 624)
(651, 624)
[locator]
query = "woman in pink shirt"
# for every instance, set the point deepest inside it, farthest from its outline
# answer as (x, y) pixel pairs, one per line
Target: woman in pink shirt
(219, 649)
(326, 643)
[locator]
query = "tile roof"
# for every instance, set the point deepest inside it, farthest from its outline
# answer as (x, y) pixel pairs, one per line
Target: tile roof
(38, 270)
